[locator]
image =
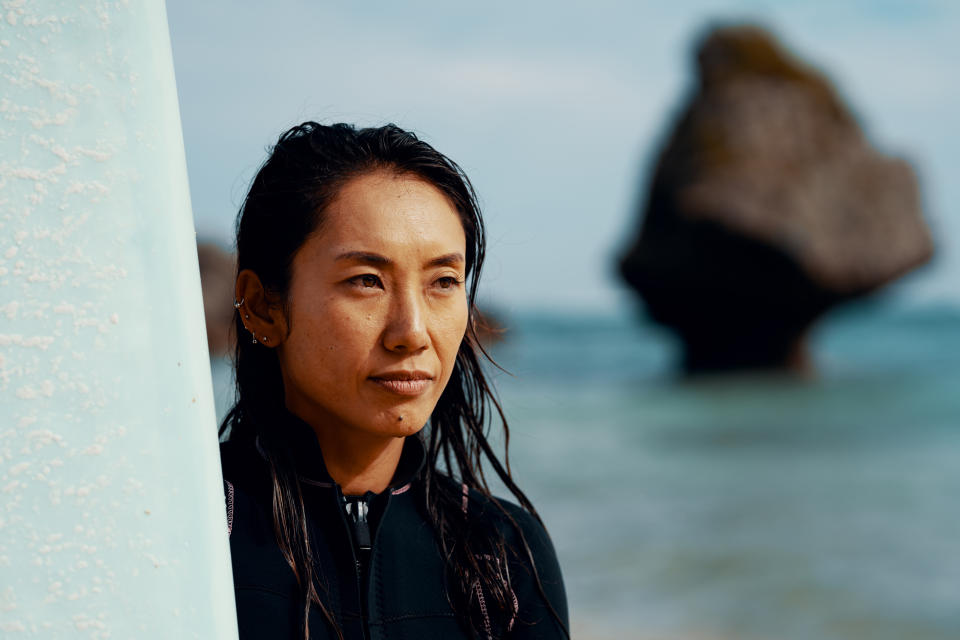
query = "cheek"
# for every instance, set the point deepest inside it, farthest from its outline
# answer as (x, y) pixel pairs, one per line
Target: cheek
(451, 332)
(332, 340)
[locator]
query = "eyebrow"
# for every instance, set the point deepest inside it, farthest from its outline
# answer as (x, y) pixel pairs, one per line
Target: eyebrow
(364, 256)
(446, 260)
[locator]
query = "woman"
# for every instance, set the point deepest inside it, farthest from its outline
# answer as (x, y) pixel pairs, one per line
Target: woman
(356, 500)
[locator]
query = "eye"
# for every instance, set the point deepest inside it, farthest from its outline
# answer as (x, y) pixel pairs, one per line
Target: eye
(367, 281)
(448, 282)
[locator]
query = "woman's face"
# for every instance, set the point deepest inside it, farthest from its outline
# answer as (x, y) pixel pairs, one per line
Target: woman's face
(377, 308)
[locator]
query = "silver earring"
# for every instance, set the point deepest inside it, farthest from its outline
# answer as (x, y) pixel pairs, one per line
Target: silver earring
(263, 339)
(246, 316)
(254, 338)
(238, 303)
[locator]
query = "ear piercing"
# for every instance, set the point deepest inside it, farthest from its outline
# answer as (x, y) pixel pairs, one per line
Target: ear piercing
(236, 305)
(239, 303)
(263, 339)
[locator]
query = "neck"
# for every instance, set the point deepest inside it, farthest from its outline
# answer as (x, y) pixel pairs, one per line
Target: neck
(359, 462)
(359, 470)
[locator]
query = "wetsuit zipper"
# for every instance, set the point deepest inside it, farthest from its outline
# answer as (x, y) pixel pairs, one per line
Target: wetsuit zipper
(357, 509)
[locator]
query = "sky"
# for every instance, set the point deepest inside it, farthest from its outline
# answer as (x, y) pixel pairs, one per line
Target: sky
(554, 110)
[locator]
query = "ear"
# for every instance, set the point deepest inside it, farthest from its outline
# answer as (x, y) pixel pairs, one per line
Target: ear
(260, 311)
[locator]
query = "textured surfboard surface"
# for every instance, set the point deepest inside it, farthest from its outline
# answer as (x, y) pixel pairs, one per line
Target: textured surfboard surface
(112, 521)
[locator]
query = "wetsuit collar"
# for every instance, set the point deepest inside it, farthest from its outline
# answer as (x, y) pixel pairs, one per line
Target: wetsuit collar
(311, 468)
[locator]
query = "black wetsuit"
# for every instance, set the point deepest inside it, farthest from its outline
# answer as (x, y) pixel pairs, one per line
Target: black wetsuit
(379, 564)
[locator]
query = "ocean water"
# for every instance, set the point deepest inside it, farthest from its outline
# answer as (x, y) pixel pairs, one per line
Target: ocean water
(743, 507)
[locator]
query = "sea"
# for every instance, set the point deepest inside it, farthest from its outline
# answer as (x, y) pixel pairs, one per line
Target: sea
(749, 507)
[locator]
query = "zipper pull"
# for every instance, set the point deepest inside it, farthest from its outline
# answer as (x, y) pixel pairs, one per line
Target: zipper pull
(357, 508)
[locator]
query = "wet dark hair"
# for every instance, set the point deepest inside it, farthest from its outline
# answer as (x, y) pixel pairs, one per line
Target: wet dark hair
(287, 200)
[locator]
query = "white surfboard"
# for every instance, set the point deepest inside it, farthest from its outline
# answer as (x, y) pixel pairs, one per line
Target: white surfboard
(112, 520)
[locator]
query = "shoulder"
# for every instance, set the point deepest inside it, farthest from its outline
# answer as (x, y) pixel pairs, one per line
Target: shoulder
(232, 454)
(241, 464)
(508, 517)
(534, 571)
(523, 532)
(247, 487)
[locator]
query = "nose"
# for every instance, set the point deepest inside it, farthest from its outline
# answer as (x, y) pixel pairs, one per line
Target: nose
(406, 330)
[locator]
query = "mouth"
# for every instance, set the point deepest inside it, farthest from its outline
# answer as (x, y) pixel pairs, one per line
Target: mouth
(404, 383)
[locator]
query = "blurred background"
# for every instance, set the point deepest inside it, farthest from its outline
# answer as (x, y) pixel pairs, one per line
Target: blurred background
(724, 251)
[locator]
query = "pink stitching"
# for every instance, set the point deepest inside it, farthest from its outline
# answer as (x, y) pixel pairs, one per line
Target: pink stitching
(229, 508)
(516, 603)
(402, 489)
(483, 610)
(506, 582)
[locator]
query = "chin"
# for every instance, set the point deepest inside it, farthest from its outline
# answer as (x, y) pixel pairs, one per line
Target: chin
(389, 423)
(411, 429)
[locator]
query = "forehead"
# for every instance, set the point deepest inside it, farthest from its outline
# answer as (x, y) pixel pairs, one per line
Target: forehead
(385, 211)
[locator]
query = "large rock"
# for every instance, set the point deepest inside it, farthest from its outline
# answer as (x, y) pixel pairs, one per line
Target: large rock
(767, 207)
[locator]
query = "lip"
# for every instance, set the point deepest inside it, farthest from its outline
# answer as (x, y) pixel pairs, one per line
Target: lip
(404, 383)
